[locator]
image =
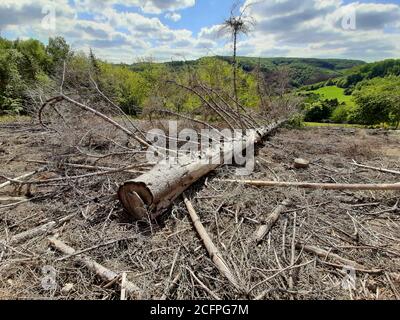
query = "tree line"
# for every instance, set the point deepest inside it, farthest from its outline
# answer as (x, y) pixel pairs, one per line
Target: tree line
(29, 68)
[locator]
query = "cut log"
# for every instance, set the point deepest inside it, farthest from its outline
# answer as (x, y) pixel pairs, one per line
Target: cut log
(153, 192)
(300, 163)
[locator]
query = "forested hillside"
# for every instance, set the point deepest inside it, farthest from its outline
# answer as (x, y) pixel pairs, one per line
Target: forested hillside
(367, 94)
(352, 91)
(303, 71)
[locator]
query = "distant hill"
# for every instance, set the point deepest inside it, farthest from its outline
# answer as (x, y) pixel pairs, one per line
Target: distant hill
(305, 71)
(352, 77)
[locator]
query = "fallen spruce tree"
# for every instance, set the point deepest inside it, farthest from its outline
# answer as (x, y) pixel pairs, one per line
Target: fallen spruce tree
(152, 193)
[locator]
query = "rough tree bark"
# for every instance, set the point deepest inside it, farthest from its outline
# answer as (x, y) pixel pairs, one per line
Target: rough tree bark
(153, 192)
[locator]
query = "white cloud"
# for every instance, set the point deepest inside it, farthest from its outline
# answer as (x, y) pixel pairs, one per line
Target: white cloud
(310, 28)
(173, 16)
(314, 28)
(147, 6)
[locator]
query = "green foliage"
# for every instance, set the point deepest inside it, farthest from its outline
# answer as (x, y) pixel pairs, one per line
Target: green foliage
(218, 74)
(35, 59)
(25, 64)
(333, 92)
(318, 111)
(381, 69)
(128, 88)
(340, 114)
(11, 82)
(378, 101)
(296, 121)
(58, 51)
(304, 71)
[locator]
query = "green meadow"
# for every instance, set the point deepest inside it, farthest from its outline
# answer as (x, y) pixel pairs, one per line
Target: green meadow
(333, 92)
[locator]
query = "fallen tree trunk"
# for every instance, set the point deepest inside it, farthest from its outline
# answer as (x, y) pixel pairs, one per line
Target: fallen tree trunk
(153, 192)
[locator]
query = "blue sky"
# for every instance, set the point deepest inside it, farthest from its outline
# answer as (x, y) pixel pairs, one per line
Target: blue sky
(125, 31)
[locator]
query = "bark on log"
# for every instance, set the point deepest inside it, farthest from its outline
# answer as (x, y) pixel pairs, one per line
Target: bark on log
(153, 192)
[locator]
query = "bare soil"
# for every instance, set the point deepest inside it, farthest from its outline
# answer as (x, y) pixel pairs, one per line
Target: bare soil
(360, 226)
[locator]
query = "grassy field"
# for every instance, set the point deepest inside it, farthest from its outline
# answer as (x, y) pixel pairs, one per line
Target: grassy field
(333, 92)
(341, 125)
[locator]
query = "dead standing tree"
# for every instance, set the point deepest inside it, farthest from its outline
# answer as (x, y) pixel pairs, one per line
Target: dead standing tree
(236, 25)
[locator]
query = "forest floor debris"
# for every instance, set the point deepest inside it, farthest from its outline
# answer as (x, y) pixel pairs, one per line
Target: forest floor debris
(167, 259)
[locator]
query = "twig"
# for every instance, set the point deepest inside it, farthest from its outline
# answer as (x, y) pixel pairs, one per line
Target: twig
(172, 285)
(270, 221)
(374, 168)
(343, 261)
(293, 252)
(262, 295)
(108, 243)
(101, 271)
(212, 250)
(89, 175)
(16, 199)
(38, 231)
(27, 175)
(123, 286)
(392, 286)
(209, 291)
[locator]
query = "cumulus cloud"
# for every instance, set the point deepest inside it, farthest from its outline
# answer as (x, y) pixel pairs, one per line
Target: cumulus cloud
(147, 6)
(315, 28)
(173, 16)
(121, 30)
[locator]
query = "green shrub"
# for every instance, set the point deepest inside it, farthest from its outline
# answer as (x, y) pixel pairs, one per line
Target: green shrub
(296, 121)
(340, 114)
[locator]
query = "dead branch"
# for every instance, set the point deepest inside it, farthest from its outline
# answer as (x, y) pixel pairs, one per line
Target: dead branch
(374, 168)
(103, 272)
(37, 231)
(25, 176)
(212, 250)
(63, 97)
(89, 175)
(264, 229)
(324, 254)
(324, 186)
